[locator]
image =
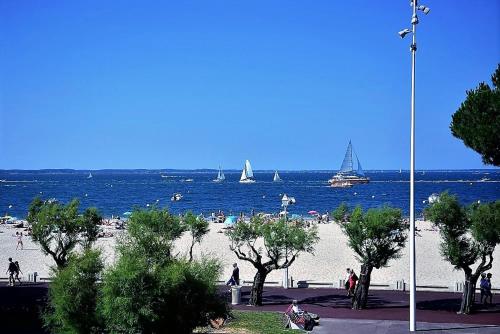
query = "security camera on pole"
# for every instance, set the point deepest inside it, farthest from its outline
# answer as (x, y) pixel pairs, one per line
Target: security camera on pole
(413, 49)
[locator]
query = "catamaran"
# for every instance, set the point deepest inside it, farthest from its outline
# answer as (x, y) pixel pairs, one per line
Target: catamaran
(276, 177)
(348, 176)
(220, 175)
(247, 173)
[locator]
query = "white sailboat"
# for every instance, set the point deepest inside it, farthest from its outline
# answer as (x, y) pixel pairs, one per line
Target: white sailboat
(220, 175)
(276, 177)
(90, 176)
(247, 173)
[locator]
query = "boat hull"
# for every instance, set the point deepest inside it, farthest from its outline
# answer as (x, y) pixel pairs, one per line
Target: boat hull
(247, 181)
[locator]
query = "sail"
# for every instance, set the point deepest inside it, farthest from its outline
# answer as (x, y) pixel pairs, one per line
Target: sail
(276, 177)
(360, 169)
(248, 169)
(221, 175)
(243, 175)
(347, 163)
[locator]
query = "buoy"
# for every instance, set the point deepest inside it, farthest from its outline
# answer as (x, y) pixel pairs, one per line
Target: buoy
(10, 206)
(147, 204)
(355, 194)
(86, 195)
(373, 196)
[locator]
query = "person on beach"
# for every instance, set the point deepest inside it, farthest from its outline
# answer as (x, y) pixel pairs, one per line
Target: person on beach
(11, 270)
(18, 270)
(19, 236)
(235, 277)
(352, 283)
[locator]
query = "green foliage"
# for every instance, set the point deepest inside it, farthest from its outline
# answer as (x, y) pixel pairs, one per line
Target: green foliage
(60, 228)
(376, 236)
(467, 234)
(341, 214)
(152, 233)
(477, 121)
(197, 227)
(73, 295)
(150, 291)
(259, 323)
(282, 241)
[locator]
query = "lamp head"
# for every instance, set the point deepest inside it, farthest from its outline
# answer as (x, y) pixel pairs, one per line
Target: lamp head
(424, 9)
(404, 32)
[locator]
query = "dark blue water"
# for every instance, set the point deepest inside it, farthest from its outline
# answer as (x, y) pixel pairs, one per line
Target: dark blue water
(115, 192)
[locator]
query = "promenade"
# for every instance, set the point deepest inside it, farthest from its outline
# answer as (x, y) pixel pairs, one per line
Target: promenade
(387, 310)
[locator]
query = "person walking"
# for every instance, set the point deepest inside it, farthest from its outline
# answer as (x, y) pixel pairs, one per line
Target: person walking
(11, 270)
(235, 277)
(18, 270)
(487, 289)
(19, 236)
(482, 286)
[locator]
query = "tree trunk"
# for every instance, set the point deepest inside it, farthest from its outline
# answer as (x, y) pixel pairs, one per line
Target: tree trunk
(361, 292)
(468, 294)
(258, 287)
(191, 251)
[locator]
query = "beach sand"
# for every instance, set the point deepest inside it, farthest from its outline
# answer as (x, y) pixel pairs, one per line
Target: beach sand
(331, 257)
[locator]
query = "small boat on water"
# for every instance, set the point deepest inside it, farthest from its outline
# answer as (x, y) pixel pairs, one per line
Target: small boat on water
(176, 197)
(433, 198)
(90, 176)
(276, 177)
(347, 175)
(220, 175)
(247, 173)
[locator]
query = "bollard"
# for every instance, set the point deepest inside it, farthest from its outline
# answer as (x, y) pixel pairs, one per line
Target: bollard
(235, 295)
(285, 278)
(35, 275)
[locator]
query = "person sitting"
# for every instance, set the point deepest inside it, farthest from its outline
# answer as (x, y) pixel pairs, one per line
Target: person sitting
(300, 318)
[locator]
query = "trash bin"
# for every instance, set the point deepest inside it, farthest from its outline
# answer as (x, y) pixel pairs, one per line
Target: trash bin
(235, 295)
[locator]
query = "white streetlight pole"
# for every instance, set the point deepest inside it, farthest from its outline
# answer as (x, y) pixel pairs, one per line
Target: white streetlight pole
(413, 49)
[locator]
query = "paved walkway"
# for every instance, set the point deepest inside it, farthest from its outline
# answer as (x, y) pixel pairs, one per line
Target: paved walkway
(356, 326)
(432, 307)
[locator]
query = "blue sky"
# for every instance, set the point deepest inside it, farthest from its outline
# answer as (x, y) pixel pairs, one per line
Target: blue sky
(195, 84)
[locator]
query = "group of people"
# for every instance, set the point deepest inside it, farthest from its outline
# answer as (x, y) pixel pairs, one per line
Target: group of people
(485, 286)
(13, 271)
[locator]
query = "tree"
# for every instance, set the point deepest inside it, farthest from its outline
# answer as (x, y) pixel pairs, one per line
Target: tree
(477, 121)
(197, 228)
(282, 243)
(376, 237)
(468, 235)
(60, 228)
(73, 295)
(149, 290)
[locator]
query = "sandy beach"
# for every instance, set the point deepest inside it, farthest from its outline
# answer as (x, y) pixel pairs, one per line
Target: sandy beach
(328, 264)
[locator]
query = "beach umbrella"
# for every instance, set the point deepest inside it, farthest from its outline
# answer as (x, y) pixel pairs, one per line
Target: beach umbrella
(230, 221)
(313, 212)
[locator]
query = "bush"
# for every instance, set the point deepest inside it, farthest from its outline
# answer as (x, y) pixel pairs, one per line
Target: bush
(73, 295)
(175, 297)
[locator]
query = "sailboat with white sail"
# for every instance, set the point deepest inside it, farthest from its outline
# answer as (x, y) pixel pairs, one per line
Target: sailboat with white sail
(247, 174)
(220, 175)
(348, 175)
(276, 177)
(90, 175)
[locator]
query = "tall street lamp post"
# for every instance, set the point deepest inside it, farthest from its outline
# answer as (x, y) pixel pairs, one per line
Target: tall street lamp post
(413, 49)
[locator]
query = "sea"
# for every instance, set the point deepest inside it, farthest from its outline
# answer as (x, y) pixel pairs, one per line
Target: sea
(116, 192)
